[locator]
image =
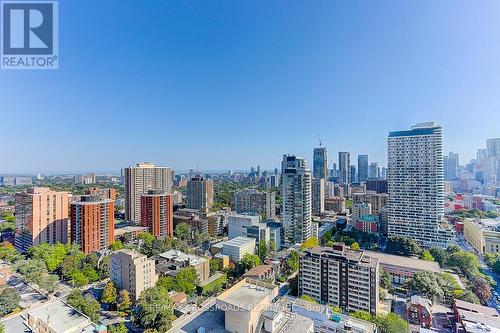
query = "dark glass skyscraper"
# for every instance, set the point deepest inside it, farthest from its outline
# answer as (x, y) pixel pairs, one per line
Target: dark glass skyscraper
(320, 163)
(362, 168)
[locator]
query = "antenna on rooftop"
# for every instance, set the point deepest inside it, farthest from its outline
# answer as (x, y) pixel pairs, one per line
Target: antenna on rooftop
(320, 143)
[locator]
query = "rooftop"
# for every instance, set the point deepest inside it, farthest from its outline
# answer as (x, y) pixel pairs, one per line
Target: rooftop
(62, 317)
(247, 294)
(239, 241)
(414, 263)
(487, 224)
(176, 255)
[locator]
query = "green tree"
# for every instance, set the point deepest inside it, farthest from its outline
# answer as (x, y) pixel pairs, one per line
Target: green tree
(183, 231)
(262, 250)
(465, 262)
(9, 301)
(308, 298)
(439, 255)
(87, 305)
(292, 262)
(426, 283)
(91, 274)
(78, 278)
(403, 246)
(391, 323)
(426, 255)
(52, 255)
(118, 328)
(124, 301)
(385, 279)
(214, 265)
(355, 246)
(154, 309)
(186, 280)
(9, 253)
(361, 315)
(109, 294)
(310, 243)
(250, 261)
(117, 245)
(272, 246)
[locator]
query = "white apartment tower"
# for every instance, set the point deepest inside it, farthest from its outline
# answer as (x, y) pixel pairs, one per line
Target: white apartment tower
(139, 179)
(296, 204)
(416, 184)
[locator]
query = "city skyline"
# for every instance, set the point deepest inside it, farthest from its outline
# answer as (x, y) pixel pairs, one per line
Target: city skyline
(352, 73)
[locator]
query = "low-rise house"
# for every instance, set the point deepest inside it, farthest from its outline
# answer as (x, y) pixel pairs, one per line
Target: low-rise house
(474, 318)
(260, 272)
(129, 231)
(169, 263)
(418, 311)
(400, 268)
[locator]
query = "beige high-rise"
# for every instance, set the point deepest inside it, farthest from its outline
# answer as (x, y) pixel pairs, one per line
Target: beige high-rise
(132, 271)
(139, 179)
(41, 217)
(200, 193)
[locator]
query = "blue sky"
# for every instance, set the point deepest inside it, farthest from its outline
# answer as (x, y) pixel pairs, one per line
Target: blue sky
(230, 84)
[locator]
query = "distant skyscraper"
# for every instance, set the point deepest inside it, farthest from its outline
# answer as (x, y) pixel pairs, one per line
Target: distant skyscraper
(138, 180)
(450, 163)
(157, 213)
(41, 217)
(383, 174)
(352, 174)
(362, 168)
(320, 163)
(253, 201)
(92, 223)
(296, 202)
(344, 163)
(493, 161)
(200, 193)
(373, 170)
(318, 196)
(416, 185)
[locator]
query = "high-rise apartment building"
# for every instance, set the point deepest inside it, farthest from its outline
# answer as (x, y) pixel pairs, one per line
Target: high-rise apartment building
(296, 204)
(344, 163)
(318, 196)
(378, 185)
(139, 179)
(132, 271)
(200, 193)
(157, 213)
(376, 200)
(416, 184)
(41, 217)
(92, 223)
(254, 201)
(493, 161)
(373, 170)
(362, 168)
(341, 277)
(320, 163)
(360, 209)
(450, 164)
(352, 174)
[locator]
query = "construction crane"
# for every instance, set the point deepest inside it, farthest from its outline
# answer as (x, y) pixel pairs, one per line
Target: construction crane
(320, 143)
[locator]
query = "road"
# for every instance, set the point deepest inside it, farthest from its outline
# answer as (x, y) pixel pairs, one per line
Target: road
(496, 291)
